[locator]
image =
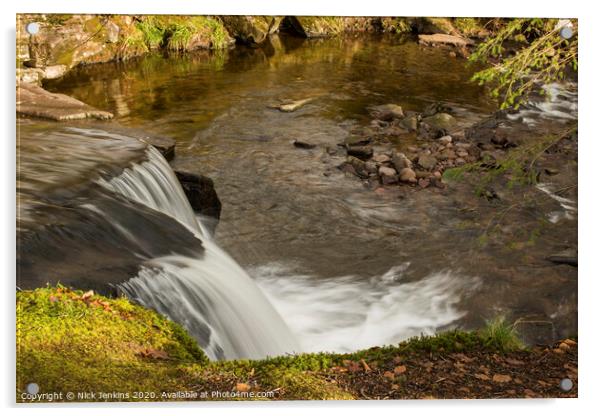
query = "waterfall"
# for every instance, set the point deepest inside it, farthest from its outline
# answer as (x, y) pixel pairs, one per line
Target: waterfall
(211, 296)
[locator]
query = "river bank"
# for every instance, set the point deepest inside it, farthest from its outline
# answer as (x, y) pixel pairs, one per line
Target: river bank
(101, 349)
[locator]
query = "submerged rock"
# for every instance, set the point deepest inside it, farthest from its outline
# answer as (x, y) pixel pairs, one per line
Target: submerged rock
(441, 121)
(303, 145)
(387, 112)
(427, 162)
(407, 175)
(34, 101)
(292, 106)
(362, 152)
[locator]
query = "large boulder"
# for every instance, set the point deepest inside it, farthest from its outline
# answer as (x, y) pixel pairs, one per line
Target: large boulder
(251, 29)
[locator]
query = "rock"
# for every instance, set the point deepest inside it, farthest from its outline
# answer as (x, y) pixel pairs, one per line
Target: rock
(359, 167)
(371, 167)
(356, 141)
(55, 71)
(112, 30)
(381, 158)
(362, 152)
(34, 101)
(436, 107)
(427, 162)
(407, 175)
(568, 256)
(483, 132)
(313, 26)
(551, 171)
(251, 30)
(445, 139)
(387, 175)
(462, 153)
(410, 123)
(424, 183)
(292, 106)
(400, 161)
(303, 145)
(387, 112)
(443, 39)
(30, 75)
(201, 194)
(430, 132)
(441, 121)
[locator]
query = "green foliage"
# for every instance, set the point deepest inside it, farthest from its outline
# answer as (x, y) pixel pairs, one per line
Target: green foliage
(501, 335)
(542, 56)
(152, 32)
(468, 26)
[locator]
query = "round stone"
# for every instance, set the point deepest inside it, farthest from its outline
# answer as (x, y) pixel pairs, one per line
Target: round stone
(566, 32)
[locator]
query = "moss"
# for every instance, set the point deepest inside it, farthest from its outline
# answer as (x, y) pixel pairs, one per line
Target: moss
(318, 26)
(396, 25)
(70, 341)
(468, 26)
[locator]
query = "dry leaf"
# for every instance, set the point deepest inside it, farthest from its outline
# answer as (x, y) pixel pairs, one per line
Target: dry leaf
(483, 377)
(367, 368)
(389, 375)
(400, 369)
(242, 387)
(87, 295)
(501, 378)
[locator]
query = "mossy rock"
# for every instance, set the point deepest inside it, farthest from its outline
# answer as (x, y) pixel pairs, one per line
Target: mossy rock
(251, 29)
(71, 341)
(316, 26)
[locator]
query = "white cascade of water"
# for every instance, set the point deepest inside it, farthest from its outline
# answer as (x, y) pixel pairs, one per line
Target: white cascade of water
(211, 296)
(348, 313)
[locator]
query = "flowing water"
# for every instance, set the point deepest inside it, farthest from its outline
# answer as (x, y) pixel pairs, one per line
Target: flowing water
(318, 261)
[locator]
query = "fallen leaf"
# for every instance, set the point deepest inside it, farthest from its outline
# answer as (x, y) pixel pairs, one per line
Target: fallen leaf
(483, 377)
(400, 369)
(513, 361)
(87, 295)
(389, 375)
(367, 368)
(242, 387)
(53, 299)
(155, 354)
(564, 346)
(501, 378)
(570, 342)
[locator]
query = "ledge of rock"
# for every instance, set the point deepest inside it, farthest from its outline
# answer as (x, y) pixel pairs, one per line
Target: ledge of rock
(443, 39)
(34, 101)
(251, 29)
(201, 194)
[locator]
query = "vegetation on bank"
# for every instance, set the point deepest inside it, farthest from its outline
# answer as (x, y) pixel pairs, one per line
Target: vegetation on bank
(526, 54)
(71, 341)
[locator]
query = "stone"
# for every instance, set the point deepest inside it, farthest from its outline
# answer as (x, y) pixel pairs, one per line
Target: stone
(387, 112)
(410, 123)
(427, 162)
(112, 31)
(381, 158)
(568, 256)
(462, 153)
(436, 107)
(251, 30)
(387, 175)
(30, 75)
(359, 167)
(407, 175)
(201, 194)
(292, 106)
(55, 71)
(429, 132)
(362, 152)
(424, 183)
(441, 121)
(34, 101)
(400, 161)
(443, 39)
(313, 26)
(303, 145)
(445, 139)
(371, 167)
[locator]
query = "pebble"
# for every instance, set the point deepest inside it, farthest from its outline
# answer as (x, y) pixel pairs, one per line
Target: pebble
(407, 175)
